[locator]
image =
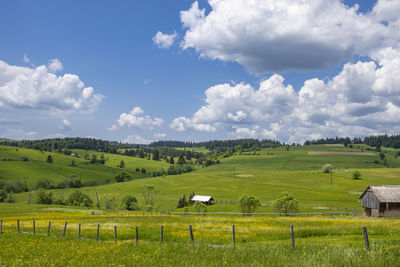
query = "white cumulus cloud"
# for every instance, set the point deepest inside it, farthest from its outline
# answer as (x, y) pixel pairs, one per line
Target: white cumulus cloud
(269, 35)
(136, 139)
(39, 88)
(163, 40)
(55, 65)
(136, 119)
(66, 125)
(159, 135)
(362, 99)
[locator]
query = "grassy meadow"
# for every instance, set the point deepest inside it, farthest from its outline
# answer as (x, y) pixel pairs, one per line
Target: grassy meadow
(12, 167)
(260, 240)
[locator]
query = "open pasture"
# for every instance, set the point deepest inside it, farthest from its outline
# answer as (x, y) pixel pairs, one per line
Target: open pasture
(330, 241)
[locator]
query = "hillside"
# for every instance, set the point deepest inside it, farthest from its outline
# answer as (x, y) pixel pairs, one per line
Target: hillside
(264, 175)
(13, 167)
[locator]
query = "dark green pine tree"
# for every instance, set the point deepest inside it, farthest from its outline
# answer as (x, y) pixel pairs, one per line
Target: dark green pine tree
(181, 160)
(156, 155)
(171, 160)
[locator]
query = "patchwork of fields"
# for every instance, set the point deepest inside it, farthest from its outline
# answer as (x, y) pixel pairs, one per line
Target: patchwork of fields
(320, 240)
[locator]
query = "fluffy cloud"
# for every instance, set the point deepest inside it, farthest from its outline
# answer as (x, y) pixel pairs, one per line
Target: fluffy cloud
(39, 88)
(136, 119)
(66, 125)
(164, 40)
(136, 139)
(159, 135)
(55, 65)
(268, 35)
(363, 99)
(240, 103)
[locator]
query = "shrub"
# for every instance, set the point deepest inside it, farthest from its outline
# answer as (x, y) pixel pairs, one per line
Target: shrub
(10, 198)
(24, 158)
(122, 177)
(43, 197)
(327, 168)
(248, 204)
(109, 203)
(43, 183)
(129, 203)
(143, 170)
(49, 159)
(285, 203)
(200, 208)
(356, 175)
(3, 195)
(78, 198)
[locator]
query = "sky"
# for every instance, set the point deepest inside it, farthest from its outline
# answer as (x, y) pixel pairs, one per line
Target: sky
(141, 71)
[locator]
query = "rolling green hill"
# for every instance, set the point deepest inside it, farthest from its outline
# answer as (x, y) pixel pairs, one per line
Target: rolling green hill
(13, 167)
(264, 175)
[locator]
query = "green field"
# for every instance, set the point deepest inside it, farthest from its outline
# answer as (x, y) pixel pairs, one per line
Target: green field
(261, 240)
(330, 241)
(12, 166)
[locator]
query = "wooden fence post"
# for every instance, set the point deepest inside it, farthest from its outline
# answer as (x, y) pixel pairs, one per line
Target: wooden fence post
(33, 227)
(233, 236)
(97, 233)
(137, 235)
(115, 234)
(65, 228)
(292, 235)
(48, 228)
(366, 241)
(191, 234)
(79, 230)
(162, 233)
(18, 229)
(1, 226)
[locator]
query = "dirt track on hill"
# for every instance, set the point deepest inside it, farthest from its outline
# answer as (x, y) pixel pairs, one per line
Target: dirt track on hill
(326, 153)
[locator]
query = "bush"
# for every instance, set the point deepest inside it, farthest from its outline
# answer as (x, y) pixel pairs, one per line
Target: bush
(327, 168)
(129, 203)
(122, 177)
(43, 183)
(49, 159)
(10, 198)
(3, 195)
(356, 175)
(78, 198)
(15, 187)
(285, 203)
(109, 203)
(200, 208)
(248, 204)
(43, 197)
(59, 201)
(24, 158)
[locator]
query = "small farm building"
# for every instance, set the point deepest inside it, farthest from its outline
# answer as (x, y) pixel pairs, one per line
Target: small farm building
(208, 200)
(381, 200)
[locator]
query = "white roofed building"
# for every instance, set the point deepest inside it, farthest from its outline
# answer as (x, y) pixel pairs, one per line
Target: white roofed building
(208, 200)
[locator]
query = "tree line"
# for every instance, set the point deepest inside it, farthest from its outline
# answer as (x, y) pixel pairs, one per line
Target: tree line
(392, 141)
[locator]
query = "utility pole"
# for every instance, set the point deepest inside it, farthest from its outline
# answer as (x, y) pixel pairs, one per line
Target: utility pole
(331, 175)
(234, 172)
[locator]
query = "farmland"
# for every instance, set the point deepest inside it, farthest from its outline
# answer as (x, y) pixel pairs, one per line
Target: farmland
(321, 239)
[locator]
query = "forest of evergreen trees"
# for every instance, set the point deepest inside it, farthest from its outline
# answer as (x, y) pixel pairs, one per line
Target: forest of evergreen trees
(378, 141)
(220, 144)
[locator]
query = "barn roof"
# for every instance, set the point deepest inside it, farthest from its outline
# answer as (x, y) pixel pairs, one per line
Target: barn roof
(202, 198)
(384, 193)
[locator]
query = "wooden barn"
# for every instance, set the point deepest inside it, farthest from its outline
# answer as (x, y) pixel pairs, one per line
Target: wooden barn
(381, 201)
(208, 200)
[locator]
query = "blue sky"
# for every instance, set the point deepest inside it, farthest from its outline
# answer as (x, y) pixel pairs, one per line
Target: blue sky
(111, 47)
